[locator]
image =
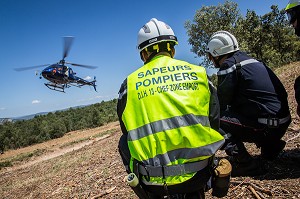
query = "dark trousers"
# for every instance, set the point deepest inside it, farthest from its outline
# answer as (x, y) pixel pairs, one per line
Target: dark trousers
(191, 189)
(241, 129)
(124, 152)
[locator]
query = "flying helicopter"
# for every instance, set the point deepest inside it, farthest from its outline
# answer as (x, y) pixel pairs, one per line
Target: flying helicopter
(61, 76)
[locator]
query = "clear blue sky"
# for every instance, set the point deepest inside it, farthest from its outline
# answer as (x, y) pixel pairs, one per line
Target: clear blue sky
(105, 34)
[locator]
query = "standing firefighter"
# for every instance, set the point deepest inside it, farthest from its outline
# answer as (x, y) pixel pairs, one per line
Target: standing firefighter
(253, 103)
(293, 13)
(169, 116)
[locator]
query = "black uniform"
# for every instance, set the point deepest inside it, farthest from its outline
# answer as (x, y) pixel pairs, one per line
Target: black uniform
(254, 106)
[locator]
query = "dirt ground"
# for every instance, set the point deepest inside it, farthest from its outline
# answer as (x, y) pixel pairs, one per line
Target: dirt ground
(86, 164)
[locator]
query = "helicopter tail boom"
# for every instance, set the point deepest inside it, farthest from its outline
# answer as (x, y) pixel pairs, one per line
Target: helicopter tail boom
(81, 82)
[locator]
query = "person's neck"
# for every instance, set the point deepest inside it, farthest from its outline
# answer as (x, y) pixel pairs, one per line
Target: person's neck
(163, 53)
(223, 59)
(153, 56)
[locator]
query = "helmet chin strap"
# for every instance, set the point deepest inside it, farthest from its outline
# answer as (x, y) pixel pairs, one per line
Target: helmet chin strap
(217, 60)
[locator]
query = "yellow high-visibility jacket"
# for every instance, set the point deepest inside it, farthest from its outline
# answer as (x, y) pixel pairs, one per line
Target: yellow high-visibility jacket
(166, 117)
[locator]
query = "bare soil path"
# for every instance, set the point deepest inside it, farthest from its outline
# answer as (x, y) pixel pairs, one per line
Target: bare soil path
(53, 148)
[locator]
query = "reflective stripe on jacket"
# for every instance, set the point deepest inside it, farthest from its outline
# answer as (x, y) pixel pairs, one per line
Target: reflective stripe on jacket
(166, 116)
(253, 90)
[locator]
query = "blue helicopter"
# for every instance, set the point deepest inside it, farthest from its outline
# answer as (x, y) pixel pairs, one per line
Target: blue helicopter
(61, 76)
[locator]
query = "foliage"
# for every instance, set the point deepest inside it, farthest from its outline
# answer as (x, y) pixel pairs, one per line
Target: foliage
(268, 38)
(54, 125)
(214, 79)
(208, 20)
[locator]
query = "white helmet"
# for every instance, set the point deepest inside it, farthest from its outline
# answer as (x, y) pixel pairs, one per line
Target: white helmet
(154, 32)
(221, 43)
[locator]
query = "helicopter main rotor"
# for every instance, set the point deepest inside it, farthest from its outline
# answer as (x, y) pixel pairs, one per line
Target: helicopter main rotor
(67, 43)
(68, 40)
(30, 67)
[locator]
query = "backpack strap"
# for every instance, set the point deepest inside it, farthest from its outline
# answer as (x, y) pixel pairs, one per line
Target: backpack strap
(236, 66)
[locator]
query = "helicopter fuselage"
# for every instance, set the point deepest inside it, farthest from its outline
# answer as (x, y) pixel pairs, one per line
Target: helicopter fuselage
(58, 74)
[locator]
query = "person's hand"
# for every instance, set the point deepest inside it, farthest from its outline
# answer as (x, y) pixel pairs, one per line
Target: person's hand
(231, 149)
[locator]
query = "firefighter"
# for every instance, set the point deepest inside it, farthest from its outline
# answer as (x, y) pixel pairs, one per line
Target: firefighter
(253, 104)
(169, 116)
(293, 13)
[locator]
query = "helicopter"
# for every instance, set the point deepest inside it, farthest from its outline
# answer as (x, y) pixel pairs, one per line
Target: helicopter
(61, 76)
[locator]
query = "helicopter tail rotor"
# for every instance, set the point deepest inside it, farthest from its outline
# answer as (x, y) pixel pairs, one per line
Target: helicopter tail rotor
(94, 83)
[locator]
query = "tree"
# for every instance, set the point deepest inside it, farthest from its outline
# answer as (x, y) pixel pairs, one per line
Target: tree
(1, 139)
(53, 125)
(58, 129)
(214, 79)
(268, 38)
(281, 46)
(249, 34)
(208, 20)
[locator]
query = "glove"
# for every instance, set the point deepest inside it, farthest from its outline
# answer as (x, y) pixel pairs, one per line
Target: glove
(231, 149)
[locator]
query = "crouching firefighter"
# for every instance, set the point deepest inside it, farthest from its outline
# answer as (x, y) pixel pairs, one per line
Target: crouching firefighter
(169, 116)
(253, 104)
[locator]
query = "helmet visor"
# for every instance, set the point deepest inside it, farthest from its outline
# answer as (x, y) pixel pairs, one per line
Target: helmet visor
(292, 16)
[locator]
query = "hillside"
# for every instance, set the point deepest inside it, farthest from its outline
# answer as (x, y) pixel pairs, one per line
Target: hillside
(86, 164)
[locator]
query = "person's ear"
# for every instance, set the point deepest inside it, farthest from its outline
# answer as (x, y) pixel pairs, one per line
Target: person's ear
(173, 52)
(210, 57)
(214, 58)
(144, 56)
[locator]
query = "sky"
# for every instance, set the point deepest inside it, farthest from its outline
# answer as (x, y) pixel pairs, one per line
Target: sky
(105, 34)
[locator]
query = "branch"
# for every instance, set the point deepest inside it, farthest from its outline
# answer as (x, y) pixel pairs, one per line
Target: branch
(262, 190)
(253, 186)
(293, 137)
(104, 193)
(253, 191)
(239, 183)
(261, 195)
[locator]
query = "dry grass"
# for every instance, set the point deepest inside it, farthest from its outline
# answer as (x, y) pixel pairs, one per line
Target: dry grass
(88, 165)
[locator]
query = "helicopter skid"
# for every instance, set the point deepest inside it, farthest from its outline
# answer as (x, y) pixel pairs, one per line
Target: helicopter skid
(56, 87)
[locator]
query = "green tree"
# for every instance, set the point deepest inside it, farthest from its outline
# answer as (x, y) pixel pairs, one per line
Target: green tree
(58, 129)
(268, 38)
(208, 20)
(280, 45)
(1, 139)
(249, 34)
(53, 125)
(214, 79)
